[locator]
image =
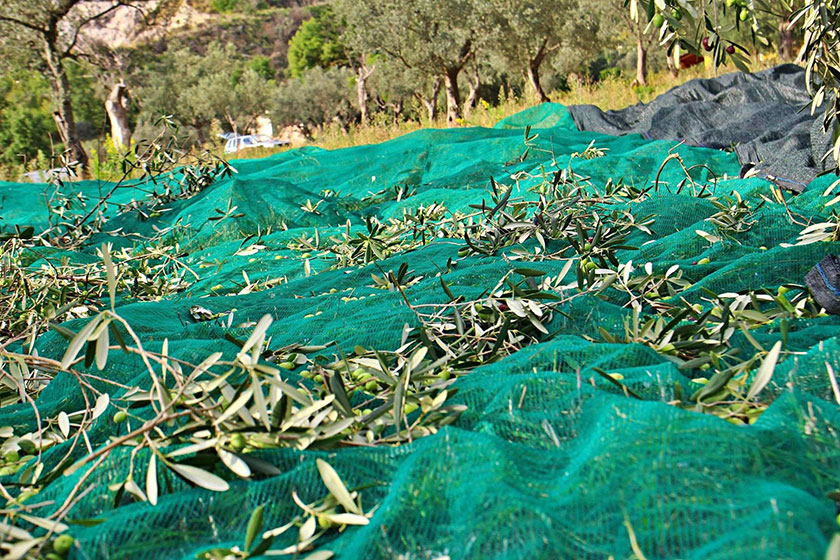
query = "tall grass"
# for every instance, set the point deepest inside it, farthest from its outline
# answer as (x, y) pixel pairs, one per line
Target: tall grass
(609, 93)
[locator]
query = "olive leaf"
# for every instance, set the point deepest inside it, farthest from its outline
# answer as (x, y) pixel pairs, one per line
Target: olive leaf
(258, 333)
(336, 487)
(64, 423)
(234, 462)
(200, 477)
(101, 405)
(765, 371)
(78, 341)
(151, 479)
(102, 343)
(255, 524)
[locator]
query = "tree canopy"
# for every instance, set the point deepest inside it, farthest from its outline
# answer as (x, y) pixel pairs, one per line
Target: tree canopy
(438, 38)
(316, 43)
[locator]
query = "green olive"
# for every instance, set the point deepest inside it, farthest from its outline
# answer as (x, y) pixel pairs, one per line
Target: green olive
(12, 457)
(704, 260)
(63, 543)
(744, 15)
(237, 442)
(27, 446)
(371, 386)
(288, 365)
(120, 417)
(658, 20)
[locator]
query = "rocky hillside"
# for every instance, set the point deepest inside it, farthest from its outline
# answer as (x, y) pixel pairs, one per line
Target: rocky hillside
(256, 27)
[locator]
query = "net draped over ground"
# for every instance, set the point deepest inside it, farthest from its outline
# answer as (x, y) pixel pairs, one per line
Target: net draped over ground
(764, 116)
(539, 465)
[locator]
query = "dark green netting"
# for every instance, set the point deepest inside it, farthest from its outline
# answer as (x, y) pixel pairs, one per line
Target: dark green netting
(548, 461)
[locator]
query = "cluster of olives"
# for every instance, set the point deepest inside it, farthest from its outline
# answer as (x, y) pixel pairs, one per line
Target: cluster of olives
(659, 19)
(365, 379)
(14, 454)
(742, 11)
(709, 45)
(14, 459)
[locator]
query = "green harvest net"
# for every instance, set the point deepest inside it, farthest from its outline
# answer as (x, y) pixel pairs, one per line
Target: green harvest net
(539, 465)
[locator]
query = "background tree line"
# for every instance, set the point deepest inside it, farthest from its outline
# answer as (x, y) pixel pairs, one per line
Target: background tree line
(303, 63)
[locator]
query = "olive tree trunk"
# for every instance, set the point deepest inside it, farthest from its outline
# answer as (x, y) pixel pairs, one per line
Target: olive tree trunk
(116, 105)
(472, 97)
(533, 72)
(641, 62)
(64, 119)
(785, 41)
(431, 102)
(362, 75)
(453, 96)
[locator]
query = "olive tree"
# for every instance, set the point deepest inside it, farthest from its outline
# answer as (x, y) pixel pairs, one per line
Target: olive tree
(437, 38)
(47, 34)
(319, 96)
(528, 33)
(618, 26)
(202, 87)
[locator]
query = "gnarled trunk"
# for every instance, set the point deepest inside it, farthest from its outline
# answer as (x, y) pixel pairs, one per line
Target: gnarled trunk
(453, 96)
(472, 97)
(785, 41)
(64, 119)
(533, 72)
(534, 80)
(116, 105)
(432, 101)
(397, 108)
(641, 62)
(362, 75)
